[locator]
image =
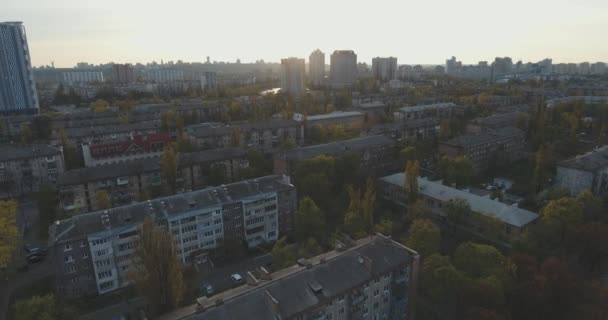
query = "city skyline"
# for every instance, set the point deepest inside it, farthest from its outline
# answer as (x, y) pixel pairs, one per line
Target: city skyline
(69, 31)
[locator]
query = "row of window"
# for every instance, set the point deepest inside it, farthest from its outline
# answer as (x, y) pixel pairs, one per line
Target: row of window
(104, 274)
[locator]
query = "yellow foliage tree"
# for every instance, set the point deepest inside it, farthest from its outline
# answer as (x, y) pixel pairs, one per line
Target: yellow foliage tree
(8, 231)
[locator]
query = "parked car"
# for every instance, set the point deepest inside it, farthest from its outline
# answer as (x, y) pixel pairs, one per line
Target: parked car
(29, 249)
(236, 278)
(207, 289)
(35, 258)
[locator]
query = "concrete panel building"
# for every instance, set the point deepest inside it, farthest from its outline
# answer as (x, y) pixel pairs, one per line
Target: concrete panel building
(316, 68)
(293, 76)
(343, 69)
(584, 172)
(384, 69)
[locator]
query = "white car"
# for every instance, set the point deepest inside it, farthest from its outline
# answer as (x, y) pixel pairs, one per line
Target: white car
(236, 278)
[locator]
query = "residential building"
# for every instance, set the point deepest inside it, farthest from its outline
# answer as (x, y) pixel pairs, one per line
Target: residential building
(17, 86)
(436, 196)
(375, 278)
(316, 68)
(80, 77)
(106, 133)
(93, 250)
(343, 69)
(165, 75)
(497, 121)
(504, 145)
(410, 131)
(384, 69)
(584, 172)
(265, 136)
(130, 181)
(209, 81)
(436, 110)
(345, 118)
(377, 154)
(135, 147)
(481, 72)
(293, 76)
(123, 73)
(25, 168)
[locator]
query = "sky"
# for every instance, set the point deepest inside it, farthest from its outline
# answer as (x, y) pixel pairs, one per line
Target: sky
(416, 32)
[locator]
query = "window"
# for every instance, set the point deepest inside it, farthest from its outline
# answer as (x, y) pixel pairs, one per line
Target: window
(71, 269)
(99, 241)
(208, 233)
(102, 263)
(85, 255)
(67, 247)
(376, 292)
(102, 252)
(126, 246)
(341, 311)
(104, 274)
(189, 228)
(83, 244)
(218, 221)
(375, 305)
(106, 285)
(68, 259)
(74, 280)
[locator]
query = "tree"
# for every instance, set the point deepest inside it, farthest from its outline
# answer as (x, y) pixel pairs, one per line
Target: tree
(310, 221)
(354, 224)
(368, 204)
(43, 308)
(412, 172)
(562, 214)
(235, 138)
(103, 199)
(99, 105)
(8, 231)
(47, 202)
(310, 248)
(408, 154)
(458, 211)
(26, 133)
(155, 268)
(539, 170)
(480, 260)
(283, 255)
(424, 237)
(168, 165)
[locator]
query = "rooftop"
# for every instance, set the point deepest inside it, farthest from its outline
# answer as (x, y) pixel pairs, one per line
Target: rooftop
(444, 105)
(508, 214)
(298, 288)
(129, 168)
(590, 161)
(468, 140)
(504, 119)
(339, 147)
(11, 152)
(211, 129)
(130, 215)
(335, 115)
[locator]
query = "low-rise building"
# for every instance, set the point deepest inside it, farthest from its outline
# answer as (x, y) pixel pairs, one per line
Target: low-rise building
(436, 110)
(436, 196)
(135, 147)
(130, 181)
(344, 118)
(106, 133)
(264, 136)
(410, 131)
(584, 172)
(377, 154)
(376, 278)
(497, 121)
(93, 250)
(505, 145)
(25, 168)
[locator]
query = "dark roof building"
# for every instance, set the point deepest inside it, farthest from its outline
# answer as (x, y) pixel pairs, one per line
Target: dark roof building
(584, 172)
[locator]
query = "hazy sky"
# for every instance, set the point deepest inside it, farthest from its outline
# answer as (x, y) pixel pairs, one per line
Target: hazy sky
(424, 31)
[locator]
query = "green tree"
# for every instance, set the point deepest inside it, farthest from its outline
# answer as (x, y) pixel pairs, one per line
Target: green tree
(480, 260)
(103, 199)
(283, 255)
(155, 269)
(8, 231)
(458, 211)
(310, 221)
(43, 308)
(168, 165)
(354, 223)
(310, 248)
(562, 214)
(424, 237)
(368, 205)
(26, 133)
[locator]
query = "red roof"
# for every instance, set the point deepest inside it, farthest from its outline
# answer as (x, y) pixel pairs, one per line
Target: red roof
(144, 143)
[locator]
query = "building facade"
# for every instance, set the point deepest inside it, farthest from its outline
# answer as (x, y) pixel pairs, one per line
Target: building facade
(374, 278)
(123, 73)
(17, 86)
(343, 69)
(436, 110)
(504, 145)
(129, 181)
(316, 68)
(93, 251)
(292, 76)
(585, 172)
(384, 69)
(135, 147)
(80, 77)
(25, 168)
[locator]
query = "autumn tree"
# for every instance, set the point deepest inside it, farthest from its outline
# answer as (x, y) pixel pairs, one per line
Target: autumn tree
(309, 221)
(562, 215)
(412, 172)
(408, 154)
(8, 231)
(26, 133)
(168, 165)
(103, 199)
(354, 223)
(99, 105)
(424, 237)
(235, 138)
(43, 308)
(155, 269)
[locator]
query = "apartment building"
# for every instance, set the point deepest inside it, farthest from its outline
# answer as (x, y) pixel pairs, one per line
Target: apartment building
(436, 110)
(410, 131)
(106, 133)
(506, 144)
(25, 168)
(497, 121)
(93, 250)
(375, 278)
(377, 154)
(435, 196)
(126, 182)
(584, 172)
(135, 147)
(264, 136)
